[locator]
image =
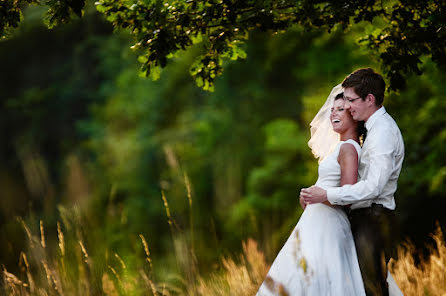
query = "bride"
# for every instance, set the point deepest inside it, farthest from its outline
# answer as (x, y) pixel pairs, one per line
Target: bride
(319, 257)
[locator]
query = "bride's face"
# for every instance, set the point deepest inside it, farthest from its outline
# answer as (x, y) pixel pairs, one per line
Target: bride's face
(341, 119)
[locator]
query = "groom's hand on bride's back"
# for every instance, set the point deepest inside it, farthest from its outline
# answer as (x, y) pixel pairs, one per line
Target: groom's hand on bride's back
(313, 194)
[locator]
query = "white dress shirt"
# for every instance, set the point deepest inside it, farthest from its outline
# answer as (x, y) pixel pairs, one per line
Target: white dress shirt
(379, 166)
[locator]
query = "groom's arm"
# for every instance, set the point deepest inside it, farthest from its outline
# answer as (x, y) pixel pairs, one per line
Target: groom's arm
(382, 164)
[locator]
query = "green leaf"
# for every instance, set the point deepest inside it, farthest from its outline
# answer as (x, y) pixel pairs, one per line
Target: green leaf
(155, 73)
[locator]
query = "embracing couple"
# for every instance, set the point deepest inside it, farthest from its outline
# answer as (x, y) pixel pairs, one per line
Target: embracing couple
(343, 240)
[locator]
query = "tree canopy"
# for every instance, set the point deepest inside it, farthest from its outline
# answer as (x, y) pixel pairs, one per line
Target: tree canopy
(406, 32)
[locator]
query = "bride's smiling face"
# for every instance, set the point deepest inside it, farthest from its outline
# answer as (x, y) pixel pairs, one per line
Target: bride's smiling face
(341, 119)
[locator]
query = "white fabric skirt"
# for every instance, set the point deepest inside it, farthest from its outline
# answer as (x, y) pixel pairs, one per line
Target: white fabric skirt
(319, 258)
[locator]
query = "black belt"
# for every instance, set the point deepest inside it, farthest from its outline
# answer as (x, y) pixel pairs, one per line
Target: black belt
(374, 210)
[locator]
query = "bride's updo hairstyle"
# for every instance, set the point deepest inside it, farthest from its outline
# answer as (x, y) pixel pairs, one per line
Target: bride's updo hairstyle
(362, 131)
(339, 96)
(366, 81)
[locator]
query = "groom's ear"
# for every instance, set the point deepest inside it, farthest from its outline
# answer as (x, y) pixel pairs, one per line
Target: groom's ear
(371, 99)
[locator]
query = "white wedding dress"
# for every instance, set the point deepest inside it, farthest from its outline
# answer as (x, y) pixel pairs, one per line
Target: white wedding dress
(319, 258)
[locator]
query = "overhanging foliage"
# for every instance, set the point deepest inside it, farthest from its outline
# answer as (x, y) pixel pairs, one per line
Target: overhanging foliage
(409, 31)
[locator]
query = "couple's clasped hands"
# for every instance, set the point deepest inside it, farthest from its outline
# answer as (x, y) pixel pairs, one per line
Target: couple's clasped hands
(311, 195)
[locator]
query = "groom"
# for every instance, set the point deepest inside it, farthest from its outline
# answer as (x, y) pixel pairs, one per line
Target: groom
(370, 202)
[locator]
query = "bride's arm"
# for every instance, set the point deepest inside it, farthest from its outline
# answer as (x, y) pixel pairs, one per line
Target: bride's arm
(348, 160)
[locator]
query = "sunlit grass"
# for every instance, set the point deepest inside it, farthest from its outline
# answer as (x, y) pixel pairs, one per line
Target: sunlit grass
(74, 262)
(65, 267)
(237, 278)
(50, 272)
(426, 278)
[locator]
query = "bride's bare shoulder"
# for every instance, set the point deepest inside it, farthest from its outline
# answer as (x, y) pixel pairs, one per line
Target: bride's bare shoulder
(348, 151)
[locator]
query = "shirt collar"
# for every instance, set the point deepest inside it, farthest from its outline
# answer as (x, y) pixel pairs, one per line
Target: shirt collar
(374, 117)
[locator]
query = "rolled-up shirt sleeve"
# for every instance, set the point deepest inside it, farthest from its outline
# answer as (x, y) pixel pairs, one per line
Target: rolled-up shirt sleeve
(382, 147)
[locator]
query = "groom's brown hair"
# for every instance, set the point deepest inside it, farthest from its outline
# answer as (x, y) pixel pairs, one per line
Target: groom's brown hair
(366, 81)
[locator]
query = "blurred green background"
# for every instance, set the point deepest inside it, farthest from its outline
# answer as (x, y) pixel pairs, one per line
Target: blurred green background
(85, 140)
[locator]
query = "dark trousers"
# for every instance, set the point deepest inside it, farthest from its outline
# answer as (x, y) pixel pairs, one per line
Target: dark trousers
(371, 228)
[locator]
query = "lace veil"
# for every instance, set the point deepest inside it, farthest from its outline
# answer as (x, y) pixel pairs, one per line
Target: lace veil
(323, 139)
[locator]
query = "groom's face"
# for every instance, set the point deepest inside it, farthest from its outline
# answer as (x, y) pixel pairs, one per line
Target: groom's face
(355, 104)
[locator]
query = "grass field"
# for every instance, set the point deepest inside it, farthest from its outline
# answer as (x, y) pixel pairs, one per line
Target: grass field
(64, 267)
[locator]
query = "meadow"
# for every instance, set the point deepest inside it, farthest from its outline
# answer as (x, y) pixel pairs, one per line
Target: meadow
(69, 265)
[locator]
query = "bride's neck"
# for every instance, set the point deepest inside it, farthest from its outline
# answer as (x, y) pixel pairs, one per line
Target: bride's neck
(350, 134)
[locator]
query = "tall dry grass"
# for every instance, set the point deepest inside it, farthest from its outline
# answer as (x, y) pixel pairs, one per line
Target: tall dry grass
(426, 278)
(51, 273)
(237, 278)
(65, 267)
(72, 264)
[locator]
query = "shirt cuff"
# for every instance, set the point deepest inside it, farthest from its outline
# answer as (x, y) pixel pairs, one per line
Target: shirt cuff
(333, 196)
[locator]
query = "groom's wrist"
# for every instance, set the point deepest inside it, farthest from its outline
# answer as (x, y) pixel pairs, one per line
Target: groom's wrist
(332, 196)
